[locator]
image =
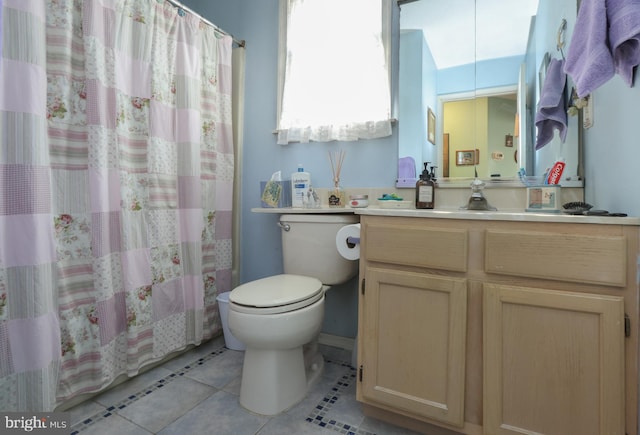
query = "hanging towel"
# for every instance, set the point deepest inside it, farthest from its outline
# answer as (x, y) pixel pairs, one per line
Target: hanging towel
(624, 36)
(1, 7)
(552, 113)
(589, 61)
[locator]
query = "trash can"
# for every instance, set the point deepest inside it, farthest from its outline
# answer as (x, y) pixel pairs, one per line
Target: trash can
(223, 305)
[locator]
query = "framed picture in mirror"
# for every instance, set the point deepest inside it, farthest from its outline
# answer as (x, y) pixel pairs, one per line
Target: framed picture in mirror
(508, 140)
(467, 157)
(431, 126)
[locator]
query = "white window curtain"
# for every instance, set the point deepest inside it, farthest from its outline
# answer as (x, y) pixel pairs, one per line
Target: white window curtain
(334, 70)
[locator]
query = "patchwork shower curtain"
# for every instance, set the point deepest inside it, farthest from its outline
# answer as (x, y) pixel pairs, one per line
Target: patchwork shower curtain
(116, 175)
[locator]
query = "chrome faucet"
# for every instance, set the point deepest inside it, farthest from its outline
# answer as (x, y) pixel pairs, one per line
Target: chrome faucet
(477, 201)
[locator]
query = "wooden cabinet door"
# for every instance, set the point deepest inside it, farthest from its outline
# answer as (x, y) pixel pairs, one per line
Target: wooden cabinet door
(413, 343)
(553, 362)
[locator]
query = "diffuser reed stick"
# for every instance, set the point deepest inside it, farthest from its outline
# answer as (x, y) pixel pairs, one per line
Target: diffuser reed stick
(336, 196)
(337, 158)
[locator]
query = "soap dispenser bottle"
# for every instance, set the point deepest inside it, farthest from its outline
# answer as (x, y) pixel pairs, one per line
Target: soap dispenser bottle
(425, 189)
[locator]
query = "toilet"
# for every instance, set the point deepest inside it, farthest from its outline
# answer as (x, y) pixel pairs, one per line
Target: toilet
(278, 318)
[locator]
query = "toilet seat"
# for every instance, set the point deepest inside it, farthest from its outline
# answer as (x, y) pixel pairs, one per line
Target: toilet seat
(276, 294)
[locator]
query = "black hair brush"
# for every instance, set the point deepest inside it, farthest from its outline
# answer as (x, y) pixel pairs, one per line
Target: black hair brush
(576, 207)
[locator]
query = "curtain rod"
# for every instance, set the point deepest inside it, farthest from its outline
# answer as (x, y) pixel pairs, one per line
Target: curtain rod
(241, 42)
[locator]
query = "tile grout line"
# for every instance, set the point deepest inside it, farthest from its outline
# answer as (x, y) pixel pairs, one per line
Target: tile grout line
(111, 410)
(319, 414)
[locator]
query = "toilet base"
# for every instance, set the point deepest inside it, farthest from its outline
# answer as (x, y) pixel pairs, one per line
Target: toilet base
(314, 370)
(275, 380)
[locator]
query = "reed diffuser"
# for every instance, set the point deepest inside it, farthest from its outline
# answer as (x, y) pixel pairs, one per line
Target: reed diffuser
(337, 195)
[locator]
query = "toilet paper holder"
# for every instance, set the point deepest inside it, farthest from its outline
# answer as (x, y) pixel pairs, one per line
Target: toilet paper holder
(348, 242)
(353, 241)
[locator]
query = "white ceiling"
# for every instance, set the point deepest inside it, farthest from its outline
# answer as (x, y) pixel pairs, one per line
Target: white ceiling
(463, 31)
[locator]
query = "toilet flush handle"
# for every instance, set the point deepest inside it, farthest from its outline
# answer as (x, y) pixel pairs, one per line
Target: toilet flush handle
(285, 227)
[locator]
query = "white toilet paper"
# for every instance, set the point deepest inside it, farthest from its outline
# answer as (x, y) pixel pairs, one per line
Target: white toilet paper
(348, 250)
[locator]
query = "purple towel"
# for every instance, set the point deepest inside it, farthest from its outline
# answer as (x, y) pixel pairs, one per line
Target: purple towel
(589, 61)
(552, 112)
(406, 167)
(624, 36)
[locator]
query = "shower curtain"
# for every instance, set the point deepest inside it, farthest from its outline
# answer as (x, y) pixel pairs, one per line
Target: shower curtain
(116, 184)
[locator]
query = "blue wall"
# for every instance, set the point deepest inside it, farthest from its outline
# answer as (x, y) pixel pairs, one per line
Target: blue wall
(480, 75)
(611, 147)
(417, 92)
(370, 163)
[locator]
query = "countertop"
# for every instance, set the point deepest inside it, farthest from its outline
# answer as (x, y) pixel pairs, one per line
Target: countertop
(505, 215)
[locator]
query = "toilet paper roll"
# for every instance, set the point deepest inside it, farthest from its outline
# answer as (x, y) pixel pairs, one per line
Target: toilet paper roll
(345, 249)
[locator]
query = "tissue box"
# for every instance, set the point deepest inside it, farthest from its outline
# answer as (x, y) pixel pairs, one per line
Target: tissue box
(545, 198)
(284, 199)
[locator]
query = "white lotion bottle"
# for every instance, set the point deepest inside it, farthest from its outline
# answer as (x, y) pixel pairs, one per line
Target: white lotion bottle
(300, 184)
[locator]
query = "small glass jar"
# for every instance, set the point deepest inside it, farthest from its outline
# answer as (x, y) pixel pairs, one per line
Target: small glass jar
(359, 201)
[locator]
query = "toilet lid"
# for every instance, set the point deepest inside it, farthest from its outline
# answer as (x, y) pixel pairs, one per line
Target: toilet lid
(276, 291)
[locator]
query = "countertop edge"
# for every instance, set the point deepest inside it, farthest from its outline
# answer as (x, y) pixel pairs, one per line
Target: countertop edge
(506, 215)
(503, 215)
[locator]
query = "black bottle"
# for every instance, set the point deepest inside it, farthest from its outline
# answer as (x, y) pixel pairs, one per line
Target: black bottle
(425, 189)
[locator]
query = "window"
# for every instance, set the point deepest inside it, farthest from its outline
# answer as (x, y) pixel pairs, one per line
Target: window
(334, 77)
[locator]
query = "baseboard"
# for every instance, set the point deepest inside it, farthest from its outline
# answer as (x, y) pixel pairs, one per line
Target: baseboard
(338, 341)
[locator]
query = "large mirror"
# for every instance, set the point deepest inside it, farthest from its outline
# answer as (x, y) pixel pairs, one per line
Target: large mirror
(470, 77)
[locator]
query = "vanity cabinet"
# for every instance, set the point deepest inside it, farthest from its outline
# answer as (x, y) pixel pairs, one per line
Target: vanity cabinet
(554, 362)
(414, 343)
(499, 327)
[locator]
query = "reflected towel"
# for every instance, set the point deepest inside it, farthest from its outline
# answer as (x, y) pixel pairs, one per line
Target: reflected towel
(589, 61)
(624, 36)
(406, 167)
(552, 113)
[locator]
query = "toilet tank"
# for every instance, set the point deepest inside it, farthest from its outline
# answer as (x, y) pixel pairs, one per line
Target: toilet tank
(309, 247)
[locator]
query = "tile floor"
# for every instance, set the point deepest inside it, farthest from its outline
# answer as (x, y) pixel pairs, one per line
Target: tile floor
(197, 393)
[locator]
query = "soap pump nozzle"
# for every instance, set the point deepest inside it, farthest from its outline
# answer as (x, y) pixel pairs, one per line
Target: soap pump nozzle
(433, 173)
(425, 173)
